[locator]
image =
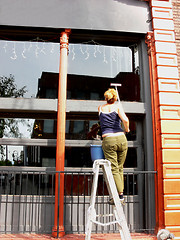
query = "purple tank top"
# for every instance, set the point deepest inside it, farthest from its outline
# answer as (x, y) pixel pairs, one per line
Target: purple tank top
(110, 122)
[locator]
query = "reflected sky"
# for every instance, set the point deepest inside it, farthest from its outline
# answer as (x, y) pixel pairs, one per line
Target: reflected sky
(99, 60)
(27, 60)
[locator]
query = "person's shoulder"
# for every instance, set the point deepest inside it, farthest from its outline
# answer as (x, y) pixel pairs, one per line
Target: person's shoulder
(115, 106)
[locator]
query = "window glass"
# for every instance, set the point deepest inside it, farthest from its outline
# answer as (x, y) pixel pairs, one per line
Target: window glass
(131, 158)
(42, 156)
(92, 68)
(99, 60)
(24, 65)
(32, 70)
(48, 126)
(38, 156)
(46, 129)
(27, 128)
(80, 157)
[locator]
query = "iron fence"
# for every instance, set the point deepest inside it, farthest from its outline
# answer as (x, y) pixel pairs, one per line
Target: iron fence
(27, 200)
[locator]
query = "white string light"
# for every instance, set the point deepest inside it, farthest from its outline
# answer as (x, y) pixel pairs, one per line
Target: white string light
(81, 49)
(87, 53)
(73, 53)
(43, 48)
(24, 50)
(104, 56)
(84, 49)
(52, 49)
(98, 49)
(36, 50)
(5, 46)
(95, 51)
(114, 54)
(30, 46)
(14, 57)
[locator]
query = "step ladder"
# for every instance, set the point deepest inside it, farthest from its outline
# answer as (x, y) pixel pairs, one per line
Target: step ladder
(118, 212)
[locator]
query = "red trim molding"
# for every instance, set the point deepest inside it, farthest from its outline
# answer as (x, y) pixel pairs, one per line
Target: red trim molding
(165, 95)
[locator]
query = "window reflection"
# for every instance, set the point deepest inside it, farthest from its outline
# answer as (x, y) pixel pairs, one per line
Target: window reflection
(38, 156)
(33, 68)
(91, 69)
(99, 60)
(42, 156)
(80, 157)
(46, 129)
(26, 61)
(28, 128)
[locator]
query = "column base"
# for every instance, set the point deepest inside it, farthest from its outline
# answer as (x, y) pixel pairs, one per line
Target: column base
(58, 234)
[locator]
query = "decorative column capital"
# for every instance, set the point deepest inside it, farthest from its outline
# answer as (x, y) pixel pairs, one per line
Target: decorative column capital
(150, 42)
(64, 39)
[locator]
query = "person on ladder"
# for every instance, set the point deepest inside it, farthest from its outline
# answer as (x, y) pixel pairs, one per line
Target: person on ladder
(114, 142)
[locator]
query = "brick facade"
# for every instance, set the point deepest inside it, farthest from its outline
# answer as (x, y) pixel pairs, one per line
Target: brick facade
(176, 18)
(164, 49)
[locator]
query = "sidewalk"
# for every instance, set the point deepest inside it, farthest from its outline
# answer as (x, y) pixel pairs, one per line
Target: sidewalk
(115, 236)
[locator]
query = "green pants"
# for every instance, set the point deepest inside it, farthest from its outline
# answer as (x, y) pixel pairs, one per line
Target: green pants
(115, 150)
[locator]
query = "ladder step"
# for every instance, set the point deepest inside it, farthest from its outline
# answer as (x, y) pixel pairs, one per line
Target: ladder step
(105, 224)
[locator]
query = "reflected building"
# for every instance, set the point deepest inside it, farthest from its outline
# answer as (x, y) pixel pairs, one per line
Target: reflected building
(79, 87)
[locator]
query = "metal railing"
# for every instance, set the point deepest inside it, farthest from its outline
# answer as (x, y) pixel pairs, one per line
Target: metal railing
(27, 200)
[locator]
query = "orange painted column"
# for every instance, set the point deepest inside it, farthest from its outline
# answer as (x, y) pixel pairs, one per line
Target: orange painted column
(58, 229)
(165, 93)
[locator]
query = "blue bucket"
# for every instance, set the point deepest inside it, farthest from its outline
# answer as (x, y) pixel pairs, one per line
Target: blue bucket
(97, 152)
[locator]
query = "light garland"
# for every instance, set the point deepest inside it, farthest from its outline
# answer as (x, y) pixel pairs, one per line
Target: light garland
(24, 50)
(14, 57)
(87, 53)
(97, 50)
(37, 50)
(30, 46)
(104, 56)
(52, 49)
(81, 49)
(43, 49)
(73, 57)
(115, 54)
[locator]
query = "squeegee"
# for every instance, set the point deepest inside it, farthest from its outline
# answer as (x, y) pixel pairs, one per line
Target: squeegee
(116, 85)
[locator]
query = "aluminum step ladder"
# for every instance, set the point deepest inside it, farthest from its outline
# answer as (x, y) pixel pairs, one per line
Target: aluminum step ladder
(118, 212)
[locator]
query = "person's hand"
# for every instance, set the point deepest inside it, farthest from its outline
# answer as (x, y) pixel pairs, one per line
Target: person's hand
(128, 130)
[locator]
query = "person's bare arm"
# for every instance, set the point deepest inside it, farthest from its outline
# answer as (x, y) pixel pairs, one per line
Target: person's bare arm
(99, 108)
(123, 117)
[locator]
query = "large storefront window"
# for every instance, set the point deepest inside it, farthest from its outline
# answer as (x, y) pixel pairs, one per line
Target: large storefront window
(30, 70)
(29, 76)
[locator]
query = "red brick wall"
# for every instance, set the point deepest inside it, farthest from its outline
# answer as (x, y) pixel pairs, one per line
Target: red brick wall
(176, 17)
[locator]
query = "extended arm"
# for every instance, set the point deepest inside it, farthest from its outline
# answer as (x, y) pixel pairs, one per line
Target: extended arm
(123, 117)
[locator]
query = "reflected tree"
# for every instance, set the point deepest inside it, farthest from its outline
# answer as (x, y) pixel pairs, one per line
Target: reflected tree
(8, 87)
(10, 127)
